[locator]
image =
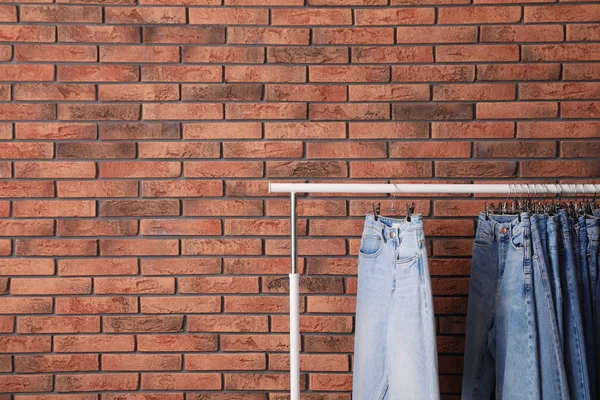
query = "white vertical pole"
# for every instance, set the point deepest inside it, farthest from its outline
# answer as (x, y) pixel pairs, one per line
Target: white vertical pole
(294, 305)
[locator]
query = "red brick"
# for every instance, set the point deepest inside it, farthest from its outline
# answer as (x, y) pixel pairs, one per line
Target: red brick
(479, 15)
(50, 247)
(68, 92)
(255, 342)
(146, 169)
(168, 323)
(306, 93)
(271, 73)
(520, 110)
(55, 13)
(104, 188)
(25, 383)
(559, 129)
(57, 363)
(263, 3)
(259, 381)
(307, 55)
(180, 227)
(367, 36)
(364, 111)
(222, 92)
(346, 150)
(223, 207)
(349, 74)
(389, 93)
(26, 150)
(96, 382)
(98, 266)
(310, 362)
(346, 2)
(177, 343)
(331, 304)
(9, 13)
(587, 109)
(391, 130)
(180, 305)
(50, 286)
(134, 131)
(218, 285)
(473, 130)
(24, 266)
(95, 150)
(562, 13)
(313, 323)
(451, 248)
(141, 247)
(212, 169)
(20, 72)
(25, 343)
(562, 52)
(106, 112)
(6, 52)
(6, 366)
(480, 169)
(560, 168)
(306, 247)
(228, 323)
(98, 73)
(520, 149)
(579, 149)
(474, 92)
(222, 130)
(563, 91)
(241, 266)
(134, 285)
(31, 305)
(305, 130)
(145, 15)
(54, 169)
(430, 150)
(56, 53)
(441, 34)
(184, 34)
(266, 111)
(26, 112)
(179, 150)
(96, 305)
(229, 16)
(55, 131)
(283, 36)
(313, 169)
(141, 362)
(396, 169)
(139, 54)
(142, 92)
(521, 72)
(142, 396)
(311, 17)
(181, 381)
(583, 32)
(432, 111)
(7, 324)
(224, 55)
(93, 343)
(257, 304)
(395, 16)
(59, 324)
(394, 55)
(221, 246)
(180, 111)
(331, 266)
(216, 362)
(262, 149)
(307, 208)
(339, 382)
(522, 33)
(27, 33)
(182, 188)
(181, 73)
(477, 53)
(98, 34)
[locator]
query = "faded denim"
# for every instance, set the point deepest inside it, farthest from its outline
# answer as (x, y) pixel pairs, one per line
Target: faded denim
(555, 243)
(395, 354)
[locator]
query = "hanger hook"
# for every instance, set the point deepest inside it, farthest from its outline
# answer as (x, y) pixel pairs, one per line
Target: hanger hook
(392, 208)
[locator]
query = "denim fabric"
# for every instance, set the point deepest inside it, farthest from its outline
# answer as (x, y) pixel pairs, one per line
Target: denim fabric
(553, 377)
(395, 354)
(501, 355)
(593, 232)
(555, 243)
(574, 349)
(587, 313)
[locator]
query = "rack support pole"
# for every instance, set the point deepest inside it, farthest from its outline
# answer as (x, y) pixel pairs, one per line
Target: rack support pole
(294, 304)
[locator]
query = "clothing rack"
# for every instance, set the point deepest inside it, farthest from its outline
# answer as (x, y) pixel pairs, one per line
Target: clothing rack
(537, 190)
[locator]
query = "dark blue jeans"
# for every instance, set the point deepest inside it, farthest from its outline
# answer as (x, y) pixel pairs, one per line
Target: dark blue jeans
(587, 311)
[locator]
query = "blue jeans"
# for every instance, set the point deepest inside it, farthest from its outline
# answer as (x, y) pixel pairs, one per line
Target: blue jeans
(553, 378)
(587, 313)
(574, 349)
(395, 353)
(555, 243)
(593, 232)
(501, 354)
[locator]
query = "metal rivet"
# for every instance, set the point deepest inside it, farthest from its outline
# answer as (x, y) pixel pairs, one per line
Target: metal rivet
(504, 230)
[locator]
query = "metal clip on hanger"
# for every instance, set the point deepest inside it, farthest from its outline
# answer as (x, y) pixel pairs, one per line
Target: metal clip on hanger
(376, 211)
(410, 209)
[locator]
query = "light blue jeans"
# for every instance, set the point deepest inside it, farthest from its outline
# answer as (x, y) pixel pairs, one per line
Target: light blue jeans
(395, 354)
(511, 321)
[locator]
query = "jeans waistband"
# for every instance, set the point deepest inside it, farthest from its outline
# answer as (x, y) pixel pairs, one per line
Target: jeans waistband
(501, 224)
(386, 225)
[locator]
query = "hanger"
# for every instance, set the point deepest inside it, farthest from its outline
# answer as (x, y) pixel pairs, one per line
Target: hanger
(376, 211)
(410, 209)
(392, 208)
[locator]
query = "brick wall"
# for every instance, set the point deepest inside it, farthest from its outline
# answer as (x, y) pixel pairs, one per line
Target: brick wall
(141, 250)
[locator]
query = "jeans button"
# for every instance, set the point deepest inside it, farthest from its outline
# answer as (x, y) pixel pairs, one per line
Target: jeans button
(503, 230)
(392, 234)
